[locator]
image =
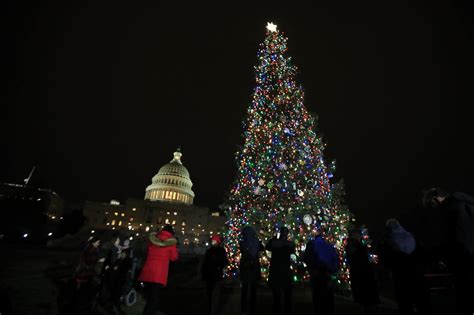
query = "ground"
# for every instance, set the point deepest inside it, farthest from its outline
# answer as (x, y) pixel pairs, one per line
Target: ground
(29, 273)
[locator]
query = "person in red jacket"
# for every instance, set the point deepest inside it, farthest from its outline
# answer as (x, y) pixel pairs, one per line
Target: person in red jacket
(155, 270)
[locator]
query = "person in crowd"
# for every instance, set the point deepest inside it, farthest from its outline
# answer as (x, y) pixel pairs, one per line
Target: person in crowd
(249, 269)
(362, 274)
(87, 280)
(155, 270)
(322, 261)
(456, 243)
(126, 246)
(120, 275)
(111, 250)
(280, 273)
(405, 258)
(212, 271)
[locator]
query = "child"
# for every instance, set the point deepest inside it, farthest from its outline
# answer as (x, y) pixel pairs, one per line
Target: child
(212, 271)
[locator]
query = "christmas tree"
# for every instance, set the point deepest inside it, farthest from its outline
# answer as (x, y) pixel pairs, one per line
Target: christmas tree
(282, 178)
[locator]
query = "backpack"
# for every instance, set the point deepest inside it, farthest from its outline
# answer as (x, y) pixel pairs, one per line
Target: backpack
(464, 222)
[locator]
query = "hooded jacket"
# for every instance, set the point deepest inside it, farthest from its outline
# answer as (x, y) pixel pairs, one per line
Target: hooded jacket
(321, 257)
(156, 265)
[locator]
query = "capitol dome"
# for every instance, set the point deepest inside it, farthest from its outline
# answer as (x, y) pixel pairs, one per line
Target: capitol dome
(171, 183)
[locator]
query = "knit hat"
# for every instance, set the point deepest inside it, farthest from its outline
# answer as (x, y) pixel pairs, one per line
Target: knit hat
(217, 238)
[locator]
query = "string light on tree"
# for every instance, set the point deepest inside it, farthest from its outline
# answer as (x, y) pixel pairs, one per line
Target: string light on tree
(282, 178)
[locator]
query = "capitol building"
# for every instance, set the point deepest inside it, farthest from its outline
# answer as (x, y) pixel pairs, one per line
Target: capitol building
(171, 183)
(168, 200)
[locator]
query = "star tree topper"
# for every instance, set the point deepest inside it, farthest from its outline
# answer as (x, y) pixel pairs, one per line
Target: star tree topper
(271, 27)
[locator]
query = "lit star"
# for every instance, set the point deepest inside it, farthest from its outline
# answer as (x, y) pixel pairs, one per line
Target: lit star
(271, 27)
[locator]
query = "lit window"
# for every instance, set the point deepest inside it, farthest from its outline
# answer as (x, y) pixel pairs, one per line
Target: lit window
(120, 223)
(184, 223)
(134, 209)
(141, 224)
(174, 195)
(131, 219)
(211, 232)
(168, 212)
(174, 222)
(116, 213)
(176, 213)
(167, 221)
(147, 229)
(123, 214)
(53, 217)
(113, 222)
(108, 223)
(129, 227)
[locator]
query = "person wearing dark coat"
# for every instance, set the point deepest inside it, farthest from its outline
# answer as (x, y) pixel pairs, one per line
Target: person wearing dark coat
(280, 273)
(322, 261)
(249, 269)
(404, 257)
(363, 283)
(86, 278)
(212, 271)
(110, 249)
(456, 241)
(120, 274)
(86, 269)
(155, 270)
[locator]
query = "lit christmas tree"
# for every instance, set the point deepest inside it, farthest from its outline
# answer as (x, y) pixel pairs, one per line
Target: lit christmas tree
(282, 177)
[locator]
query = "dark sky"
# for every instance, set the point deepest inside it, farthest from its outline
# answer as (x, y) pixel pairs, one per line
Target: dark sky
(100, 94)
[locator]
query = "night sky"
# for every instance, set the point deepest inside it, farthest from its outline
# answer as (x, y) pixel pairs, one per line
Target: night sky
(99, 95)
